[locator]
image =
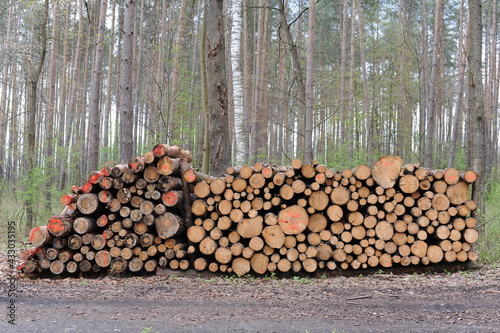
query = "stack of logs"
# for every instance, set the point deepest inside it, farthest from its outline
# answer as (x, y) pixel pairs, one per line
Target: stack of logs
(127, 217)
(157, 211)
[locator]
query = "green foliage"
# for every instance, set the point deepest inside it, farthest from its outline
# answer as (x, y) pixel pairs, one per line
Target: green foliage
(488, 244)
(302, 279)
(148, 330)
(37, 189)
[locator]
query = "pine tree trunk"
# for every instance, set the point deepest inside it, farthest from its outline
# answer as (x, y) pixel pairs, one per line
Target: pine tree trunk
(126, 80)
(476, 102)
(95, 108)
(309, 114)
(220, 150)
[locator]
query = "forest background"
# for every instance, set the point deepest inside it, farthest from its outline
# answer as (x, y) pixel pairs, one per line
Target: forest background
(343, 82)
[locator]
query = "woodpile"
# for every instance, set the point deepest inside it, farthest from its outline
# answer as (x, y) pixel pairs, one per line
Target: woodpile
(157, 211)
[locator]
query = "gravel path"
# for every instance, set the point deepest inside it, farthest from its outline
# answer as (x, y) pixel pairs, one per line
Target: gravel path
(447, 302)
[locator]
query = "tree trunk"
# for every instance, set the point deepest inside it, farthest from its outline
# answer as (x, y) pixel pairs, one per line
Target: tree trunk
(51, 107)
(239, 116)
(220, 150)
(309, 114)
(476, 102)
(126, 136)
(33, 77)
(95, 107)
(297, 68)
(258, 103)
(424, 72)
(458, 119)
(205, 166)
(366, 92)
(432, 108)
(343, 78)
(176, 116)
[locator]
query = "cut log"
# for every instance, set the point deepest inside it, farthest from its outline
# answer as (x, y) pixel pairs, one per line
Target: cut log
(471, 235)
(259, 263)
(384, 230)
(386, 170)
(435, 254)
(458, 193)
(172, 198)
(151, 174)
(340, 195)
(274, 236)
(257, 180)
(88, 203)
(123, 195)
(103, 258)
(208, 246)
(135, 265)
(166, 183)
(199, 208)
(217, 186)
(468, 176)
(169, 225)
(251, 227)
(240, 266)
(223, 255)
(440, 202)
(196, 233)
(118, 265)
(419, 249)
(75, 242)
(409, 183)
(318, 200)
(60, 226)
(84, 224)
(361, 172)
(40, 236)
(168, 166)
(98, 242)
(57, 267)
(310, 265)
(451, 176)
(150, 265)
(317, 223)
(293, 220)
(334, 213)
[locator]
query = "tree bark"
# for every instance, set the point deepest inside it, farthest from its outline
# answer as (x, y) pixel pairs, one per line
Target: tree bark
(220, 150)
(126, 136)
(33, 78)
(458, 119)
(240, 137)
(432, 108)
(476, 102)
(95, 108)
(366, 92)
(297, 68)
(309, 114)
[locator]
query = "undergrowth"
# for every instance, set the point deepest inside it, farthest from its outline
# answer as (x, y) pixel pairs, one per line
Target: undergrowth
(488, 244)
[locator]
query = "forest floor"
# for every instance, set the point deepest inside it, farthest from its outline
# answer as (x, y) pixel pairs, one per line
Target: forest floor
(460, 301)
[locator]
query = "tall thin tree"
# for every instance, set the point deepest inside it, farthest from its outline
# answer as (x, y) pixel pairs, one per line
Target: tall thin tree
(95, 106)
(126, 146)
(308, 121)
(34, 71)
(239, 116)
(220, 148)
(476, 101)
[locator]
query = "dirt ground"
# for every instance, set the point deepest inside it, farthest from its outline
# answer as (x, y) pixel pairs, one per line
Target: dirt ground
(462, 301)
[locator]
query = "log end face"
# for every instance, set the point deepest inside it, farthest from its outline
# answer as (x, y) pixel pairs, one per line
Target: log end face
(386, 170)
(293, 220)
